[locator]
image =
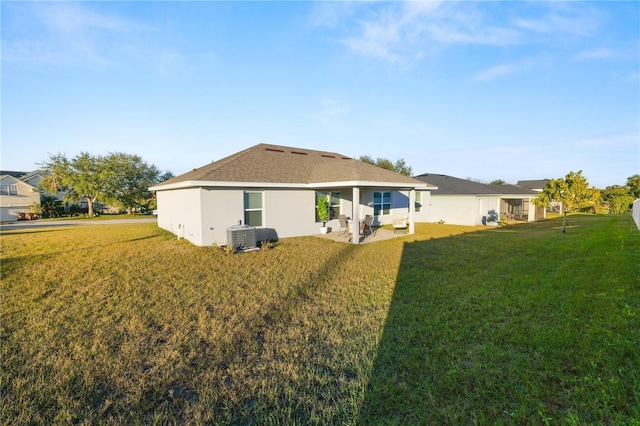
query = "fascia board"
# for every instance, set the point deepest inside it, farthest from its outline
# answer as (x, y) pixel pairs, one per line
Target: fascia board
(372, 184)
(223, 184)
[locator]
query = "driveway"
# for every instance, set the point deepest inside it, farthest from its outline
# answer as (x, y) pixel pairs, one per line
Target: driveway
(30, 224)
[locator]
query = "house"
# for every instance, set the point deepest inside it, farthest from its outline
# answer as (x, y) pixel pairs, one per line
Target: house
(275, 189)
(538, 186)
(16, 197)
(464, 202)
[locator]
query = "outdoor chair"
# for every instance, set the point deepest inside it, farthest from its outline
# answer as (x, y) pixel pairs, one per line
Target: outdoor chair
(344, 226)
(400, 223)
(368, 221)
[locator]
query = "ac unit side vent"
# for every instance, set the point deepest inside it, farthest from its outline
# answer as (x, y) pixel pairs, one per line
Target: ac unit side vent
(242, 237)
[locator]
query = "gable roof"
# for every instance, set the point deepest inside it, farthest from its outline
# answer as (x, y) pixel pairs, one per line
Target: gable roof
(449, 185)
(533, 184)
(276, 165)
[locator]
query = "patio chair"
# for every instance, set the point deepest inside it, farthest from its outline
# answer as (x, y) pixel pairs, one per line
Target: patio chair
(400, 223)
(368, 221)
(344, 226)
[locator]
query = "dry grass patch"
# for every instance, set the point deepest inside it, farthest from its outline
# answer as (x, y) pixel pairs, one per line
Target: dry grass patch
(121, 324)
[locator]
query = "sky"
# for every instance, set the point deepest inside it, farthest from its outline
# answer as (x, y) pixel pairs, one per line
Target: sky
(476, 90)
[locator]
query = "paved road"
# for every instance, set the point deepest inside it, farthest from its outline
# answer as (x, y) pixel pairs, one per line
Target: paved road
(30, 224)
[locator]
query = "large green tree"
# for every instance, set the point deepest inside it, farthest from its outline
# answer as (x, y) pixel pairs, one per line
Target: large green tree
(572, 191)
(616, 199)
(633, 183)
(82, 176)
(399, 166)
(128, 180)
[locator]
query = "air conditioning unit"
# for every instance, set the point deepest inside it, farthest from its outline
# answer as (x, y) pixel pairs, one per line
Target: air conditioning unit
(241, 237)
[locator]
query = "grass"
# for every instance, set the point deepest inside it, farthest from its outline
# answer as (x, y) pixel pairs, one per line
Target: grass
(123, 324)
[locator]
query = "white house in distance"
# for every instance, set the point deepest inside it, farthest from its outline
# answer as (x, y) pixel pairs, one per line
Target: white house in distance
(274, 189)
(16, 197)
(464, 202)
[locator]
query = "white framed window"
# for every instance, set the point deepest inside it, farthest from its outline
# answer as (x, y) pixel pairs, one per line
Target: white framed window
(253, 208)
(9, 189)
(335, 202)
(418, 201)
(381, 203)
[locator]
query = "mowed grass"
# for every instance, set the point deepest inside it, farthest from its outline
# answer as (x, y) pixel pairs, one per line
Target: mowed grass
(124, 324)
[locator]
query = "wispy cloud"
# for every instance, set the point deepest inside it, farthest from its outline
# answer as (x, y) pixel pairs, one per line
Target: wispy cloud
(602, 53)
(65, 33)
(495, 72)
(561, 19)
(403, 30)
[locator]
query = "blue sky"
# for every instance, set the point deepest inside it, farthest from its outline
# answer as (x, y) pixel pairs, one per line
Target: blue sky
(482, 90)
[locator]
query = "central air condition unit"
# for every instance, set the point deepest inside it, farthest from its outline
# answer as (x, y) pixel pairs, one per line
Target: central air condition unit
(242, 237)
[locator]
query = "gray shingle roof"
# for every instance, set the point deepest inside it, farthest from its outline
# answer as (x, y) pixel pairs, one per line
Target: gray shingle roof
(264, 163)
(449, 185)
(533, 184)
(453, 185)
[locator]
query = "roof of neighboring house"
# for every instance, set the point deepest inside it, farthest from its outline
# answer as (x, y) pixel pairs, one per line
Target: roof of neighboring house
(12, 173)
(533, 184)
(449, 185)
(513, 189)
(275, 164)
(453, 185)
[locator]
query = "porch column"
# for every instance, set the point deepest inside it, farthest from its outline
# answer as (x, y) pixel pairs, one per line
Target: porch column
(412, 211)
(355, 216)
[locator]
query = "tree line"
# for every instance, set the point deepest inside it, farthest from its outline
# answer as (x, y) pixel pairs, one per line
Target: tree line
(117, 179)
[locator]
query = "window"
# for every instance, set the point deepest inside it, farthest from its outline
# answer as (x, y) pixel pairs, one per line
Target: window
(381, 203)
(253, 208)
(418, 201)
(334, 199)
(9, 190)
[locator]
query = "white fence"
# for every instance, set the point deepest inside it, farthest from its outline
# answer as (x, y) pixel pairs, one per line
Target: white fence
(636, 212)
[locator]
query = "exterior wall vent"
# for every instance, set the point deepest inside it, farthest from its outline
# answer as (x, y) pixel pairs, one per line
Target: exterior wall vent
(241, 237)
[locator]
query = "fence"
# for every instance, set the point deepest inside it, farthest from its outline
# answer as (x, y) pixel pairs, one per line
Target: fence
(636, 212)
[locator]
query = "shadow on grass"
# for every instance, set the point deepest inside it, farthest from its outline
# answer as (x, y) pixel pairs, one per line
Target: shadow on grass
(489, 327)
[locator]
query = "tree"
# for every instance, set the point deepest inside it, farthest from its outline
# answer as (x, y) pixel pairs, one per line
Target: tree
(399, 167)
(51, 206)
(617, 199)
(633, 183)
(128, 180)
(497, 182)
(573, 192)
(83, 176)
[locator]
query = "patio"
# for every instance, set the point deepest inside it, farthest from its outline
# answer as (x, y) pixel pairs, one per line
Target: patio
(379, 235)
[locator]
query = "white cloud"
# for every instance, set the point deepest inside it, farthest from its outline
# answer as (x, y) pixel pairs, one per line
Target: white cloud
(602, 53)
(65, 33)
(495, 72)
(404, 30)
(74, 19)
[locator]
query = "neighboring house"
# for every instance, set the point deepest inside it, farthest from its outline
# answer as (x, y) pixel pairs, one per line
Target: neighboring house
(36, 177)
(464, 202)
(275, 189)
(538, 186)
(16, 197)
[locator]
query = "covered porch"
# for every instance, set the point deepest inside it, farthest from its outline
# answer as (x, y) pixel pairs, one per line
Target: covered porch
(382, 201)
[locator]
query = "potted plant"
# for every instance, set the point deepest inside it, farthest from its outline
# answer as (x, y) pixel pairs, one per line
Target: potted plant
(323, 213)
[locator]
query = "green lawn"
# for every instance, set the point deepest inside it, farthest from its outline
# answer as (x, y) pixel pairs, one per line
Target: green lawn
(122, 324)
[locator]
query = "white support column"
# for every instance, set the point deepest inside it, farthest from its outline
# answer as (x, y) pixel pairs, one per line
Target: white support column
(412, 211)
(355, 216)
